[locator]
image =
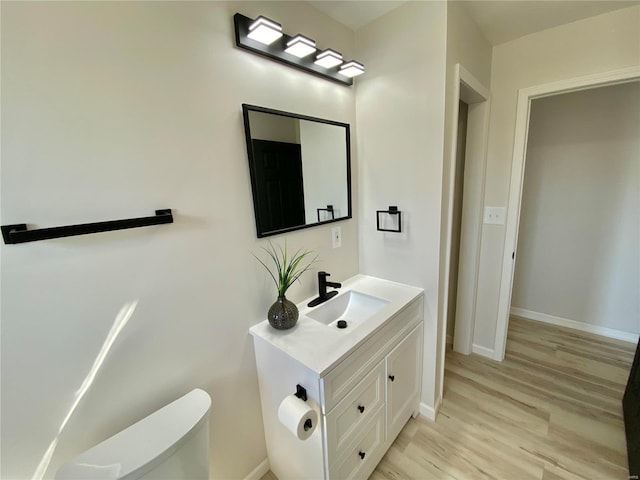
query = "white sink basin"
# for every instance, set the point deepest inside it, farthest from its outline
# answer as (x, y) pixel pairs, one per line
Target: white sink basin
(352, 306)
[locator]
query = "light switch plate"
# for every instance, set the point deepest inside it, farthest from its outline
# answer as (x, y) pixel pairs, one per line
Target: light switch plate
(336, 237)
(494, 215)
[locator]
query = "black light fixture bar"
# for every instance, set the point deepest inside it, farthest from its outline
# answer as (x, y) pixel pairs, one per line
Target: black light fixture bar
(276, 52)
(18, 233)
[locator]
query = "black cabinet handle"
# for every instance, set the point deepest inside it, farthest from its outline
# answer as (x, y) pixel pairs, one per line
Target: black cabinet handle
(361, 408)
(392, 377)
(362, 454)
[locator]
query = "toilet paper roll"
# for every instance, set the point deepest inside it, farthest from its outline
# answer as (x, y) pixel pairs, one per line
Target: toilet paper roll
(297, 416)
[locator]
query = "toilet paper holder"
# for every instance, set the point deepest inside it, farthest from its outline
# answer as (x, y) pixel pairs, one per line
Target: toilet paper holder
(301, 393)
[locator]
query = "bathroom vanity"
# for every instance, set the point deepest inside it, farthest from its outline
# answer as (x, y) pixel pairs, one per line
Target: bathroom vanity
(364, 381)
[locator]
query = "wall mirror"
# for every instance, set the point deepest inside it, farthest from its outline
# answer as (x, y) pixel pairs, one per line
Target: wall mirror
(300, 169)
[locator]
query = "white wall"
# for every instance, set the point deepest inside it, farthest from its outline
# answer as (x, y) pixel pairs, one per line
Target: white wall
(111, 110)
(325, 176)
(578, 255)
(266, 126)
(598, 44)
(400, 112)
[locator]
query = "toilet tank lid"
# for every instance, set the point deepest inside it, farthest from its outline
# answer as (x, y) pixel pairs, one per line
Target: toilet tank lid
(144, 444)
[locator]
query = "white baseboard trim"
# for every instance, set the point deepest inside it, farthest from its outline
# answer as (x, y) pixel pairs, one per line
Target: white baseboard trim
(428, 411)
(260, 471)
(584, 327)
(483, 351)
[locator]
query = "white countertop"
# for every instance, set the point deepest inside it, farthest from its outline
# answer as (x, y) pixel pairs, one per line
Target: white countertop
(321, 347)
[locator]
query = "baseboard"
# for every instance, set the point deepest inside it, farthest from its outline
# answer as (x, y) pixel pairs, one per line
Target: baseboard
(565, 322)
(428, 411)
(483, 351)
(260, 471)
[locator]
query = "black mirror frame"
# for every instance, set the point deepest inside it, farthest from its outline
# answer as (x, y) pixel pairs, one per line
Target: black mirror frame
(246, 108)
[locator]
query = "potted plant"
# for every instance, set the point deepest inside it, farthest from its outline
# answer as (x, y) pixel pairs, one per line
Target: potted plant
(285, 270)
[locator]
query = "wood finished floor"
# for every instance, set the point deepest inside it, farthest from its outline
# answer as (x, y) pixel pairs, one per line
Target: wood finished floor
(551, 411)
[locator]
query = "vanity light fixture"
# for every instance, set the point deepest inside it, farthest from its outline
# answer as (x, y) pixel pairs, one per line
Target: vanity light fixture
(264, 30)
(265, 37)
(329, 58)
(351, 69)
(300, 46)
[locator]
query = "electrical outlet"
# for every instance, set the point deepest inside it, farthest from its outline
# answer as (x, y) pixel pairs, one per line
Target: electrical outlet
(494, 215)
(336, 237)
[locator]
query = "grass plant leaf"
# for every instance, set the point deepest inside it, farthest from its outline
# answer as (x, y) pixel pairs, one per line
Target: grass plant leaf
(288, 268)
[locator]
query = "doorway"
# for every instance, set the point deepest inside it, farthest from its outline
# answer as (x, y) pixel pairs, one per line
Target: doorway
(460, 255)
(279, 184)
(578, 259)
(525, 97)
(467, 186)
(456, 226)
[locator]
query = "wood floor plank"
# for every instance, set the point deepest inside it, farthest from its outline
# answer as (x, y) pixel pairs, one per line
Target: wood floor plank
(558, 473)
(602, 431)
(477, 441)
(410, 463)
(550, 411)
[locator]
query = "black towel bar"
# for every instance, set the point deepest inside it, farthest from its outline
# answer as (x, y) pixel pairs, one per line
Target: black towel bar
(18, 233)
(393, 210)
(329, 211)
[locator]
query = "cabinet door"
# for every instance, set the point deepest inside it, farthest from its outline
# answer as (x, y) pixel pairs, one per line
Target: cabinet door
(403, 382)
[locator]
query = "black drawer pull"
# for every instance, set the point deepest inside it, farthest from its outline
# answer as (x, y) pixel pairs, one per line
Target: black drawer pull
(362, 454)
(392, 377)
(361, 408)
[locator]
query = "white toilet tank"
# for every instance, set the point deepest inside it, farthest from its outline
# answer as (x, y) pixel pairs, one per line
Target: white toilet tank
(172, 443)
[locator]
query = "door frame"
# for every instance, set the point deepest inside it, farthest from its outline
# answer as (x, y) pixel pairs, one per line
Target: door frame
(509, 254)
(471, 91)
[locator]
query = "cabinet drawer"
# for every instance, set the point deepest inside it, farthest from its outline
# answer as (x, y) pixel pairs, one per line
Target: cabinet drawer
(363, 454)
(339, 381)
(345, 421)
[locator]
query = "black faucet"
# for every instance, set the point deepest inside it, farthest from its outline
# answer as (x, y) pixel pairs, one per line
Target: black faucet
(323, 295)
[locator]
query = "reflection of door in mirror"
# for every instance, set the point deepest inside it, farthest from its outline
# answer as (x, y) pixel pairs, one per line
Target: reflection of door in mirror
(280, 192)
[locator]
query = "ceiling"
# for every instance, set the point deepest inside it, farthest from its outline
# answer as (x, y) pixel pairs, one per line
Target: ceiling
(354, 13)
(500, 21)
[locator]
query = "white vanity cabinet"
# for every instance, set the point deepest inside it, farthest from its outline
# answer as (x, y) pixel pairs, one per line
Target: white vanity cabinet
(360, 429)
(363, 397)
